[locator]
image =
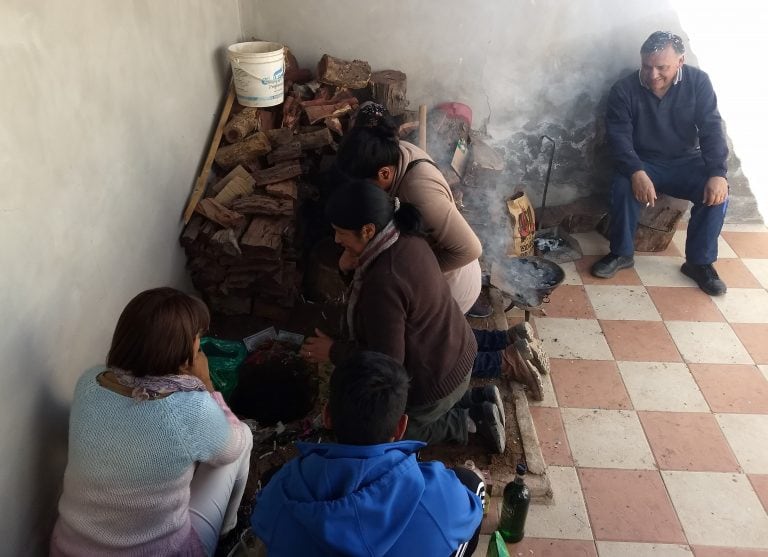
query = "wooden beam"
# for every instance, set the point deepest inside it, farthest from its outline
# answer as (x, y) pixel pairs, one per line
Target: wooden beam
(202, 179)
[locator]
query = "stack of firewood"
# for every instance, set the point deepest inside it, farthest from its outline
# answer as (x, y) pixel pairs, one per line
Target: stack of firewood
(242, 245)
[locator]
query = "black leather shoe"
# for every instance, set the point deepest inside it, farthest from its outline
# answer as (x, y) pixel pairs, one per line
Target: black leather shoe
(486, 393)
(611, 264)
(706, 277)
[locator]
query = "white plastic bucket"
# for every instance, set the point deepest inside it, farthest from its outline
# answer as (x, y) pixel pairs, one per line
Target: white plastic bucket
(257, 69)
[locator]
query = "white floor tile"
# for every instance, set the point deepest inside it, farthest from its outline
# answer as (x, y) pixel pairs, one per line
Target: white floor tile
(662, 386)
(607, 439)
(573, 338)
(627, 549)
(708, 343)
(718, 509)
(661, 270)
(592, 243)
(743, 305)
(764, 369)
(619, 303)
(724, 251)
(736, 227)
(747, 434)
(572, 276)
(566, 516)
(759, 268)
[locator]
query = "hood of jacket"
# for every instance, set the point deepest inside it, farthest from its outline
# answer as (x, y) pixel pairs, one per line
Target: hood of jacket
(350, 499)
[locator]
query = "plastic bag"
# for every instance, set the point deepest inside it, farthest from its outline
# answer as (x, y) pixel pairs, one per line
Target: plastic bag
(224, 359)
(497, 547)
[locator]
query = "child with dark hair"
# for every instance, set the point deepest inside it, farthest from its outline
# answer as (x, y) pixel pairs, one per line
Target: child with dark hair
(368, 495)
(400, 305)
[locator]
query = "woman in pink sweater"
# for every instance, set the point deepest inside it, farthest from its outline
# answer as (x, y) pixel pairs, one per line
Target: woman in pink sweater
(157, 461)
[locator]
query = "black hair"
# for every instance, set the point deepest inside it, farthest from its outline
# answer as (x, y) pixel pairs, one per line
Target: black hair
(360, 202)
(368, 394)
(660, 40)
(369, 146)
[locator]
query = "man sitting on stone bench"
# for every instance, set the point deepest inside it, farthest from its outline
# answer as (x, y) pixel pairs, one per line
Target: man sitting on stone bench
(368, 495)
(666, 136)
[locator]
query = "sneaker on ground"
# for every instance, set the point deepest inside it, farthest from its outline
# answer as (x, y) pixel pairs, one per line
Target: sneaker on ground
(533, 350)
(522, 371)
(521, 330)
(611, 264)
(489, 425)
(706, 277)
(486, 393)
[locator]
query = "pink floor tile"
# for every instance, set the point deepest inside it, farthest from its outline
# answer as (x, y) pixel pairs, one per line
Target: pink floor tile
(751, 245)
(735, 274)
(684, 304)
(629, 505)
(706, 551)
(569, 301)
(589, 384)
(732, 388)
(688, 441)
(551, 434)
(625, 277)
(540, 547)
(760, 485)
(754, 337)
(640, 341)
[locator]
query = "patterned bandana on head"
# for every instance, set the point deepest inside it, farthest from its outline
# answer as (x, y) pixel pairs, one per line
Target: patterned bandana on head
(369, 114)
(151, 387)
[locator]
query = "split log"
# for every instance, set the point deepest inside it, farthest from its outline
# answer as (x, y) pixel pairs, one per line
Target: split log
(251, 148)
(287, 189)
(237, 187)
(215, 211)
(388, 89)
(315, 140)
(268, 120)
(286, 152)
(334, 124)
(230, 305)
(241, 124)
(272, 312)
(485, 165)
(226, 241)
(263, 239)
(263, 205)
(344, 95)
(343, 73)
(291, 112)
(191, 231)
(299, 75)
(279, 173)
(280, 136)
(321, 112)
(238, 171)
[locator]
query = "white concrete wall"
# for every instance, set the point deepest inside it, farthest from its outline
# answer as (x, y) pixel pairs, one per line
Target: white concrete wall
(106, 109)
(526, 67)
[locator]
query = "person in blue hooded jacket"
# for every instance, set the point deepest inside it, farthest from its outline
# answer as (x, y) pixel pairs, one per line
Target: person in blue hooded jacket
(368, 495)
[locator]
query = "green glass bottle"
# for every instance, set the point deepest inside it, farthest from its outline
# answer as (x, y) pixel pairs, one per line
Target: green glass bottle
(514, 508)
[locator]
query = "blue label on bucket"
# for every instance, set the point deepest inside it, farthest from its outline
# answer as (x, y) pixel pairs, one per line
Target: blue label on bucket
(271, 98)
(276, 77)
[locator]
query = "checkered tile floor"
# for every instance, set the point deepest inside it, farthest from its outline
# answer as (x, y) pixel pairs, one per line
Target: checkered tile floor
(654, 424)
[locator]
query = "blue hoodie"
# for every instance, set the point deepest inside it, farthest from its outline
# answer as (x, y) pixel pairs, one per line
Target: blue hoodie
(374, 500)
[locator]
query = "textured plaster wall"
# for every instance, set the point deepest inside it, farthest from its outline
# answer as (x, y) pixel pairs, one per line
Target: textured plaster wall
(106, 108)
(526, 67)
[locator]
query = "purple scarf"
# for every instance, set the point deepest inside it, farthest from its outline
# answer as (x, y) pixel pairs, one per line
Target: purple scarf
(151, 387)
(378, 244)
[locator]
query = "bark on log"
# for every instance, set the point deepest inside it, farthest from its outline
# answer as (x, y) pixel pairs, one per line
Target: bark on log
(241, 124)
(318, 113)
(287, 189)
(191, 231)
(291, 112)
(251, 148)
(263, 205)
(315, 140)
(287, 152)
(226, 241)
(215, 211)
(230, 305)
(334, 124)
(263, 239)
(388, 88)
(279, 173)
(238, 171)
(343, 73)
(280, 136)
